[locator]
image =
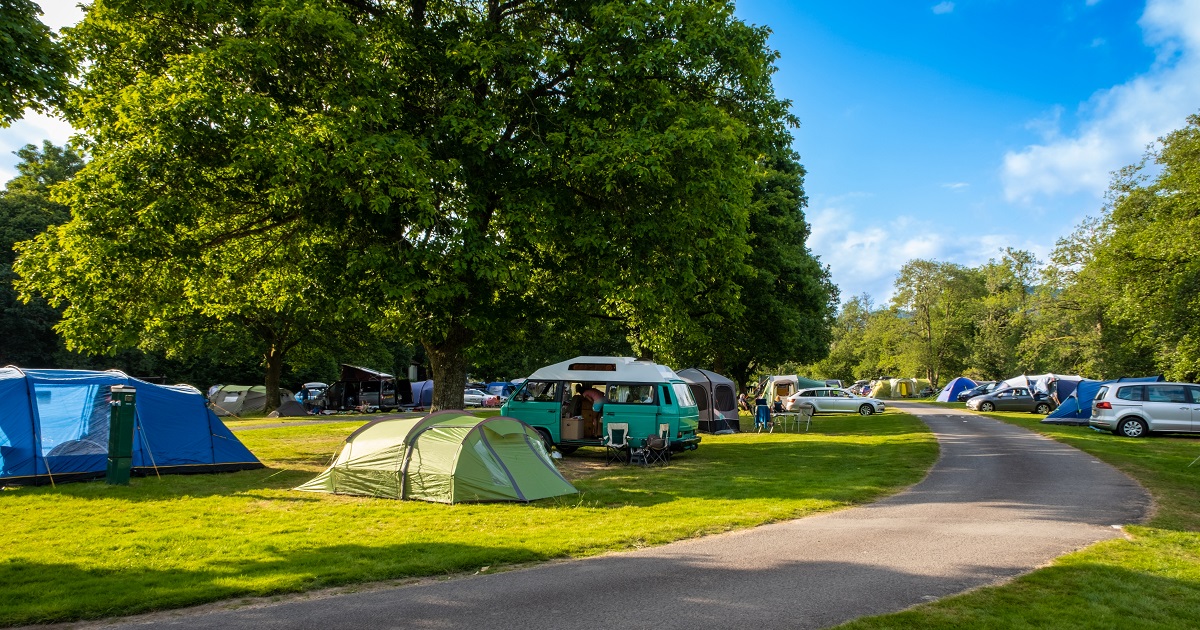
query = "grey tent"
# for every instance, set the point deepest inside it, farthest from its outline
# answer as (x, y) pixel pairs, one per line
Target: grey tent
(234, 400)
(716, 398)
(288, 409)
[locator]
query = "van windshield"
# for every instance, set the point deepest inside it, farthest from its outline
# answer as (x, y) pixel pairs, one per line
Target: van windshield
(683, 394)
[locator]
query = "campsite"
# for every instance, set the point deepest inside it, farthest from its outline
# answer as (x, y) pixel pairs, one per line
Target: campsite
(560, 314)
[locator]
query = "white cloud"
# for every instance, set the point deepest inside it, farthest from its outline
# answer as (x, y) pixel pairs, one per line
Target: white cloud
(943, 7)
(865, 255)
(1118, 123)
(956, 186)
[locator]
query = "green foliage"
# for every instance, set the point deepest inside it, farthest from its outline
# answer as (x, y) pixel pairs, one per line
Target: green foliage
(938, 301)
(785, 308)
(25, 211)
(33, 65)
(1002, 319)
(440, 171)
(1149, 263)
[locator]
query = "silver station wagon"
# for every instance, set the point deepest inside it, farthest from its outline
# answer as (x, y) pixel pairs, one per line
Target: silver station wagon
(834, 400)
(1135, 410)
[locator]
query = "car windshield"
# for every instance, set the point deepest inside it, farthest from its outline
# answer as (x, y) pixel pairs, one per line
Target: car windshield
(473, 392)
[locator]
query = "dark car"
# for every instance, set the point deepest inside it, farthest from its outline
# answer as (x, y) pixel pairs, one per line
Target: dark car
(979, 390)
(1013, 399)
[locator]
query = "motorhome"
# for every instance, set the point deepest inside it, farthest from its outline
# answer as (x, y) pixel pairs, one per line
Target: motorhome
(572, 403)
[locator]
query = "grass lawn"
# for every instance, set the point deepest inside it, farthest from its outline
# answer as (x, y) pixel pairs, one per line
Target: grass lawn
(88, 550)
(1150, 580)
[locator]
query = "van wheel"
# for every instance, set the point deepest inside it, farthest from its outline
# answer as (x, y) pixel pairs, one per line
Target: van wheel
(1042, 409)
(1132, 427)
(986, 406)
(567, 450)
(866, 410)
(546, 442)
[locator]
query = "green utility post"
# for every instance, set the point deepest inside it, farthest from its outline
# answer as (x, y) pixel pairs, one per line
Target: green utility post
(120, 435)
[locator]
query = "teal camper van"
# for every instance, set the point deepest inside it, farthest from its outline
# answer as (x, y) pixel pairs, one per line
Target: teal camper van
(572, 403)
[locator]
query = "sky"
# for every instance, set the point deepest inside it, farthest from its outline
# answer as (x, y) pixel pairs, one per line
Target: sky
(942, 129)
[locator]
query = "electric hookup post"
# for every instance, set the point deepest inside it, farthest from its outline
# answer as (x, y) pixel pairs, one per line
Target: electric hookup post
(120, 435)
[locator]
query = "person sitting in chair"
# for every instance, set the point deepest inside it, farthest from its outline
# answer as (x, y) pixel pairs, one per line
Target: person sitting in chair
(778, 406)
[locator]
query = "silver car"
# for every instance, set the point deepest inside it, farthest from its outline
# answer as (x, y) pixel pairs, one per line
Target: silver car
(834, 400)
(1011, 399)
(1135, 410)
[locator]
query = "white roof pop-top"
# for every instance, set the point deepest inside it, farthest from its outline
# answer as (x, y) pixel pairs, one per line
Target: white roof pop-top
(605, 370)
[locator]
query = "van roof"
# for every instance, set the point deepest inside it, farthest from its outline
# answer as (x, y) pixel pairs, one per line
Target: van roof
(605, 369)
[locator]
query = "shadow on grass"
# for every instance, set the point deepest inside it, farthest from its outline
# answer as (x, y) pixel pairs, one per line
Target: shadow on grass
(37, 592)
(761, 591)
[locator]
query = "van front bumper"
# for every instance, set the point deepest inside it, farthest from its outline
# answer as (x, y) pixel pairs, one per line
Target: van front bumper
(686, 444)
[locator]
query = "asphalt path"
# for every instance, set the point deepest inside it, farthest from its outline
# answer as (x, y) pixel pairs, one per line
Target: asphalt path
(999, 502)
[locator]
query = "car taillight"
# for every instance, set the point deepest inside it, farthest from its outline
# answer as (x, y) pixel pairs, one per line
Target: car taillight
(1104, 404)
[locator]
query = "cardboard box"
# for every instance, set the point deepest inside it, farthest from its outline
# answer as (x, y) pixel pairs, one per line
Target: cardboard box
(572, 429)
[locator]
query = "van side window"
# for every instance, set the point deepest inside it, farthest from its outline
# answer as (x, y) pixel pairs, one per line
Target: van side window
(539, 391)
(1166, 393)
(1137, 392)
(631, 394)
(666, 392)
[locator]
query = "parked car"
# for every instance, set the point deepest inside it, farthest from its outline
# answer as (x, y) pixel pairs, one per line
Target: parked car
(1012, 399)
(474, 398)
(309, 392)
(979, 390)
(833, 400)
(1137, 410)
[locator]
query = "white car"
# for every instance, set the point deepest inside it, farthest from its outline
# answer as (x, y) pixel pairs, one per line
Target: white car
(474, 398)
(833, 400)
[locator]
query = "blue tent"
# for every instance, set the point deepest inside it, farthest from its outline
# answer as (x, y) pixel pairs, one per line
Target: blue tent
(1077, 407)
(54, 427)
(950, 392)
(422, 394)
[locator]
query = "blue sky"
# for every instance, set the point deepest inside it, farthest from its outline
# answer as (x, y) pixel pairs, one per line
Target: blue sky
(944, 129)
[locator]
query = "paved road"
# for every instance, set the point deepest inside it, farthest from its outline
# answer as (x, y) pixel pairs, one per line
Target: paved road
(1000, 501)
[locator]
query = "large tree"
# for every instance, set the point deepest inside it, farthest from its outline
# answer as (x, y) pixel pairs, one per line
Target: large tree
(1002, 318)
(1149, 264)
(439, 167)
(778, 306)
(939, 301)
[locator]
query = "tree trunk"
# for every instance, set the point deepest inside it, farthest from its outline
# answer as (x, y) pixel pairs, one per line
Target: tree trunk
(274, 370)
(448, 361)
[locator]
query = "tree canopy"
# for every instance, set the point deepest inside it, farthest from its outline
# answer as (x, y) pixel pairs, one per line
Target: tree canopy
(435, 170)
(33, 65)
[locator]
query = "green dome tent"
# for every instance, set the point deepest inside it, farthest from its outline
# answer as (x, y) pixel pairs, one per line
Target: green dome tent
(445, 457)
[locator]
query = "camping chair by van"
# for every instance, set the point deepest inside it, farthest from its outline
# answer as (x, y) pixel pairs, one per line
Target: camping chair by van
(616, 442)
(659, 446)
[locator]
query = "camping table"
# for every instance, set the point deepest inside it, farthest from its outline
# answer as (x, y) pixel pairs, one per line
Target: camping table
(793, 418)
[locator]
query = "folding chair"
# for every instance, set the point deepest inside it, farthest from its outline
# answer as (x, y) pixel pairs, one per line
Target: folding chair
(805, 411)
(616, 443)
(659, 447)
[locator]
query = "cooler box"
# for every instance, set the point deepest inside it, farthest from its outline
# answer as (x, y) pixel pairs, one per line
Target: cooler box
(572, 429)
